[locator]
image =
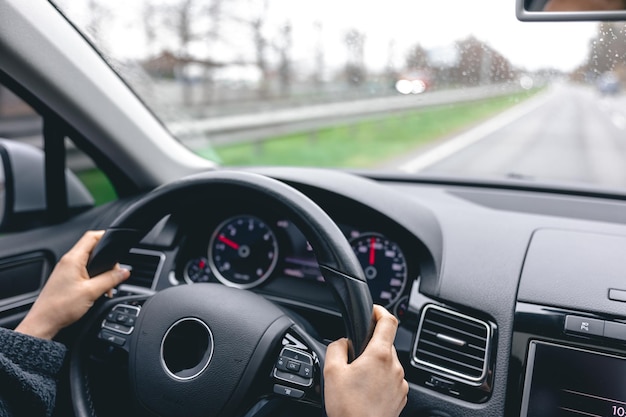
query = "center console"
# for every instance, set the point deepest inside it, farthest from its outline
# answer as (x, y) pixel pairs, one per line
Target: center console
(566, 363)
(568, 351)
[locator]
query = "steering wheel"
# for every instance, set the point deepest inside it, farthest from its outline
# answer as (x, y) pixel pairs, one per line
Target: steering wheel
(197, 350)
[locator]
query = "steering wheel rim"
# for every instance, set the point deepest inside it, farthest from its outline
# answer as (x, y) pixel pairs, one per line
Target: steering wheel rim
(335, 256)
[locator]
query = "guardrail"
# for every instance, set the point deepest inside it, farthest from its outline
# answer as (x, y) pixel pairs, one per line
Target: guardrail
(260, 126)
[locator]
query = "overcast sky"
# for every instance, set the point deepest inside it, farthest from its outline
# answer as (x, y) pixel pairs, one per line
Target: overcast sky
(432, 23)
(437, 23)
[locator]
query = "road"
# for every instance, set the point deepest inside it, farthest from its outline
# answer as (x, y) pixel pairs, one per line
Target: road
(568, 133)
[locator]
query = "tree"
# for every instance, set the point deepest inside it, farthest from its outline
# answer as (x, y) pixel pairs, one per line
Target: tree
(608, 48)
(480, 64)
(355, 65)
(391, 72)
(192, 23)
(255, 23)
(284, 48)
(417, 58)
(319, 57)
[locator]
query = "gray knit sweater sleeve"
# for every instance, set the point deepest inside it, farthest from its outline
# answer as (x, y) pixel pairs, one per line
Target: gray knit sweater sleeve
(28, 372)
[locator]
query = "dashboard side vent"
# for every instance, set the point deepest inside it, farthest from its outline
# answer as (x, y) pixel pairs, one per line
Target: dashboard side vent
(145, 266)
(452, 344)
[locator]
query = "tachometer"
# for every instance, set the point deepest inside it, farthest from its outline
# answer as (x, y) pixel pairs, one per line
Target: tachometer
(243, 252)
(384, 266)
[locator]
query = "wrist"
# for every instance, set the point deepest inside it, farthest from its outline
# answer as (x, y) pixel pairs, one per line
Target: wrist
(35, 327)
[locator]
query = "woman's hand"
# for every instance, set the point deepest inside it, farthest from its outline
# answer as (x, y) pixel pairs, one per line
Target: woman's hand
(373, 384)
(69, 292)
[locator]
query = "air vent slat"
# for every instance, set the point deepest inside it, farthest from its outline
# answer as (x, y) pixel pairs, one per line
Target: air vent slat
(478, 360)
(452, 344)
(460, 323)
(444, 360)
(479, 340)
(145, 267)
(468, 348)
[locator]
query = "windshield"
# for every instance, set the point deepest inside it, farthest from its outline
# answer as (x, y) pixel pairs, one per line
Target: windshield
(445, 87)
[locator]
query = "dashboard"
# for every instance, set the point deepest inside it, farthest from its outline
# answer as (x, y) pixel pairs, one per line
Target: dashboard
(511, 302)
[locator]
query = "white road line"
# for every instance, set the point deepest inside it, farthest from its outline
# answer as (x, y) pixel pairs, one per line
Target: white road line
(474, 135)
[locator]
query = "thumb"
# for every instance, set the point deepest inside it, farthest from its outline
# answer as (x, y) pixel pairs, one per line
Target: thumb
(337, 353)
(107, 280)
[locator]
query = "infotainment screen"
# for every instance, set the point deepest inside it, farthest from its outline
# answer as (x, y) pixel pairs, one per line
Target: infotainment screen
(564, 381)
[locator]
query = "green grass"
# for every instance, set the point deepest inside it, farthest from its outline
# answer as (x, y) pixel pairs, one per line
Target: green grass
(368, 143)
(98, 185)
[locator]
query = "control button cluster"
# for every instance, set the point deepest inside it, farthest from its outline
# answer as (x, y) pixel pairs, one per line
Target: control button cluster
(595, 327)
(293, 367)
(119, 324)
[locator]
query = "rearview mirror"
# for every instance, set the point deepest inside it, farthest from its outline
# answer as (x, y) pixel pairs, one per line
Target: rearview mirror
(570, 10)
(23, 188)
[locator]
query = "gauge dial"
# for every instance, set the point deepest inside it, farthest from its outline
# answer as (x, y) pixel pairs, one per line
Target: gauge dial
(384, 266)
(243, 252)
(401, 308)
(197, 270)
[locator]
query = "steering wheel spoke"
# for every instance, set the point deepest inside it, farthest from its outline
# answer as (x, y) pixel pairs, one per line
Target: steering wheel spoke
(296, 373)
(118, 325)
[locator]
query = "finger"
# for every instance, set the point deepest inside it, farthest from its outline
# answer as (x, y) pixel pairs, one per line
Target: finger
(86, 244)
(386, 326)
(337, 353)
(107, 281)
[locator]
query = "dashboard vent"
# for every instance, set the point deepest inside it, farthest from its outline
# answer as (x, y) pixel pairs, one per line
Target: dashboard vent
(145, 266)
(452, 344)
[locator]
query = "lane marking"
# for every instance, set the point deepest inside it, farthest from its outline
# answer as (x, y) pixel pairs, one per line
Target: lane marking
(476, 134)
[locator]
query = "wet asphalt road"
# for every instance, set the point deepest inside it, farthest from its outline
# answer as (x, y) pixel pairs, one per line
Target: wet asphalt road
(569, 133)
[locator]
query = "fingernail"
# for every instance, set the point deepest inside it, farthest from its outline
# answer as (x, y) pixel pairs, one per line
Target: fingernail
(124, 272)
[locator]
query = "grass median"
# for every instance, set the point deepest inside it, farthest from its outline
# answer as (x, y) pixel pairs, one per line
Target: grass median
(368, 143)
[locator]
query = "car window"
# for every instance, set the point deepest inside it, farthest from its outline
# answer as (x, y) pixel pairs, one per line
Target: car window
(445, 88)
(19, 122)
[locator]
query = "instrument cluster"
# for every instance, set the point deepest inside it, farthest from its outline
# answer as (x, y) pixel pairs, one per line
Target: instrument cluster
(245, 251)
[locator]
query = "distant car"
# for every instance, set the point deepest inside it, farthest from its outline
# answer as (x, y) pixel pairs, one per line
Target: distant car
(608, 83)
(413, 82)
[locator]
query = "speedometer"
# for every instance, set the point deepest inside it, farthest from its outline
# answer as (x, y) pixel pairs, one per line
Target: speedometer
(384, 266)
(243, 252)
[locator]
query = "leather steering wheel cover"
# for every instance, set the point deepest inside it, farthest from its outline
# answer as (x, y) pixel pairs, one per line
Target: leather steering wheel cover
(334, 254)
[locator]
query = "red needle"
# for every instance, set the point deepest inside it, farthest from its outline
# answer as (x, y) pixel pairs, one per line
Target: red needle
(372, 253)
(227, 241)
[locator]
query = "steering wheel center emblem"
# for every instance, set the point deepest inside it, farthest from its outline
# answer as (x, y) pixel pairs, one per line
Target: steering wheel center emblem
(186, 349)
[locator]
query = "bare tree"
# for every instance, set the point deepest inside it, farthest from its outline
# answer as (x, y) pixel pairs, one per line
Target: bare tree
(416, 59)
(608, 49)
(355, 64)
(149, 14)
(257, 27)
(480, 64)
(284, 48)
(391, 72)
(213, 11)
(320, 64)
(193, 23)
